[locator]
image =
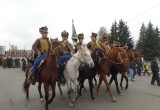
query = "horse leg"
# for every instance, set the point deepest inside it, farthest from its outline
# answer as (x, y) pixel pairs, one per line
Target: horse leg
(99, 84)
(81, 86)
(108, 87)
(53, 86)
(46, 90)
(95, 81)
(116, 83)
(121, 81)
(40, 92)
(91, 88)
(60, 90)
(69, 93)
(126, 78)
(77, 91)
(110, 82)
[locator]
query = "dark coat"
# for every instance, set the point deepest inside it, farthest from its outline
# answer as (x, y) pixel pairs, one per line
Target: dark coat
(154, 67)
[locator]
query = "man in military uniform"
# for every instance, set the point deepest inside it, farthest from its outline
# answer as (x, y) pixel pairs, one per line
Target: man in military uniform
(78, 45)
(68, 51)
(41, 48)
(125, 47)
(116, 44)
(94, 43)
(105, 44)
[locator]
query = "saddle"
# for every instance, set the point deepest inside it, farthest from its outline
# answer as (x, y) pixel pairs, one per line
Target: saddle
(40, 66)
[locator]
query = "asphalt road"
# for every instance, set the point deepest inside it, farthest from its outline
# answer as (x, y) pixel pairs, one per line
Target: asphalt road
(140, 95)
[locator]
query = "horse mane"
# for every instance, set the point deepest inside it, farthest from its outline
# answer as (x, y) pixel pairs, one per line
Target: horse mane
(121, 49)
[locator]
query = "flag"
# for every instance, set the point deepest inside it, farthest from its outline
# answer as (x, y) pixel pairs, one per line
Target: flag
(74, 34)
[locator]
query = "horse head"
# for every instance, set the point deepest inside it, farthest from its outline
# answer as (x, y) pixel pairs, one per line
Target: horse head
(99, 56)
(86, 56)
(56, 47)
(137, 57)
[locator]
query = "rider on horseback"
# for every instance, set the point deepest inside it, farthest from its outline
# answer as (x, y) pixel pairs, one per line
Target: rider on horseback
(67, 52)
(78, 45)
(125, 47)
(116, 44)
(105, 44)
(94, 43)
(40, 47)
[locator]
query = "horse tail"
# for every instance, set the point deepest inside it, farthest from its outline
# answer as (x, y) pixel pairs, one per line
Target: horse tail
(25, 86)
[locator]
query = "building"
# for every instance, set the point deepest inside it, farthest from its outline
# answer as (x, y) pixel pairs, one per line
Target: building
(2, 50)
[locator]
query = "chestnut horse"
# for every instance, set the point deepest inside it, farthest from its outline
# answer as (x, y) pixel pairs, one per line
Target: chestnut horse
(48, 74)
(120, 68)
(114, 56)
(133, 54)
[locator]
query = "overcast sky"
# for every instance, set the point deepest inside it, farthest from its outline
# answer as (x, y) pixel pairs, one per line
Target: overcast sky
(20, 20)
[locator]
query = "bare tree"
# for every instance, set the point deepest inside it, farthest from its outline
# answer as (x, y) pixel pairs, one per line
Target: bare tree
(103, 33)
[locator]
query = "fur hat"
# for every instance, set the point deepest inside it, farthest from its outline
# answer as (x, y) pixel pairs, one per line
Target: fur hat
(81, 36)
(117, 41)
(94, 35)
(104, 38)
(64, 33)
(43, 30)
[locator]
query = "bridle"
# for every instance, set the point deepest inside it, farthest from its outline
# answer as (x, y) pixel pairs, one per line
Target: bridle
(120, 57)
(98, 58)
(83, 62)
(54, 51)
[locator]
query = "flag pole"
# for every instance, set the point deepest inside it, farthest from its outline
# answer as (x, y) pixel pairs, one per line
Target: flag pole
(74, 34)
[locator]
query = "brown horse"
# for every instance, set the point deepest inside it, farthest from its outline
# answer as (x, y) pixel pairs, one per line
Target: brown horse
(120, 68)
(112, 57)
(115, 57)
(133, 54)
(48, 74)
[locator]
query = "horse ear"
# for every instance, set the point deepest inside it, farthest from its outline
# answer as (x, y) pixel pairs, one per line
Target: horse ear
(51, 39)
(56, 39)
(83, 45)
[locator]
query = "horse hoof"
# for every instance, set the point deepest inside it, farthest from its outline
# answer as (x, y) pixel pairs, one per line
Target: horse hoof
(114, 99)
(27, 99)
(80, 95)
(62, 97)
(71, 104)
(41, 100)
(119, 94)
(98, 94)
(93, 99)
(85, 90)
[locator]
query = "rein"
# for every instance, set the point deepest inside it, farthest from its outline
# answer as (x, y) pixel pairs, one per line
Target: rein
(55, 49)
(99, 58)
(119, 57)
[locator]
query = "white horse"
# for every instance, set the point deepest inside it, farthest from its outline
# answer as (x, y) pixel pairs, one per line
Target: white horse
(71, 72)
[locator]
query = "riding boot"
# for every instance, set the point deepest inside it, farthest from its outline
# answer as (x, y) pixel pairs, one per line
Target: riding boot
(63, 79)
(32, 77)
(62, 76)
(60, 79)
